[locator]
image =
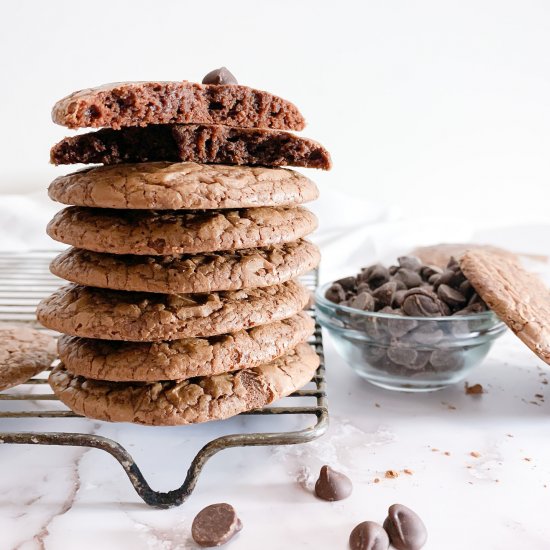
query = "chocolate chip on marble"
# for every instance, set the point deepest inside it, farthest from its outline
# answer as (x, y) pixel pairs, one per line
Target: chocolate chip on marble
(332, 485)
(363, 301)
(384, 294)
(405, 528)
(215, 525)
(450, 296)
(221, 76)
(369, 535)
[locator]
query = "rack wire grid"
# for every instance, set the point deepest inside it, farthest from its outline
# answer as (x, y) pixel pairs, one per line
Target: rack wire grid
(24, 280)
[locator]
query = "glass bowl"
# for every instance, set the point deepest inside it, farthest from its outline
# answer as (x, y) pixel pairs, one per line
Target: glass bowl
(408, 353)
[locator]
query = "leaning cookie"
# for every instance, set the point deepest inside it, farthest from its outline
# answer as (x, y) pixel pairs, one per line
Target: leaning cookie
(189, 401)
(181, 359)
(182, 186)
(165, 233)
(24, 352)
(143, 317)
(518, 297)
(188, 273)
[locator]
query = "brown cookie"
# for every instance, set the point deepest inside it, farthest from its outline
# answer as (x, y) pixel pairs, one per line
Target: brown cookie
(142, 103)
(518, 297)
(139, 316)
(440, 254)
(182, 186)
(202, 143)
(24, 352)
(186, 358)
(189, 401)
(173, 232)
(212, 272)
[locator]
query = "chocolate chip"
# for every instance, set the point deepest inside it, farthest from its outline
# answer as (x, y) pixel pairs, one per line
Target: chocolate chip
(450, 296)
(377, 275)
(428, 271)
(384, 294)
(335, 293)
(347, 283)
(215, 525)
(420, 302)
(369, 536)
(402, 356)
(471, 309)
(409, 262)
(363, 301)
(405, 529)
(427, 333)
(447, 359)
(398, 298)
(221, 76)
(332, 485)
(409, 277)
(400, 327)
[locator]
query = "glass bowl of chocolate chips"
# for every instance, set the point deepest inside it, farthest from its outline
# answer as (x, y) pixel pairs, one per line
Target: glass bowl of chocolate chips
(409, 327)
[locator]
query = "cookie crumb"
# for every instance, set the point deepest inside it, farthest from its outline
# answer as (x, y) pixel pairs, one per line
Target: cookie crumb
(376, 480)
(434, 450)
(408, 472)
(447, 453)
(377, 405)
(475, 454)
(475, 389)
(509, 435)
(539, 396)
(391, 474)
(527, 459)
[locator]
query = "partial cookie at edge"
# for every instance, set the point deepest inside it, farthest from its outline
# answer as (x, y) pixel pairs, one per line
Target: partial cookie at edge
(518, 297)
(24, 352)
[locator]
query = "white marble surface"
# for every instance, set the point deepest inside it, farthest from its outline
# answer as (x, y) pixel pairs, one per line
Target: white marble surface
(62, 498)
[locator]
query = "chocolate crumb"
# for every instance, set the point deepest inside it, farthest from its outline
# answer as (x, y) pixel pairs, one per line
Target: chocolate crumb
(475, 454)
(376, 480)
(408, 472)
(475, 389)
(447, 453)
(391, 474)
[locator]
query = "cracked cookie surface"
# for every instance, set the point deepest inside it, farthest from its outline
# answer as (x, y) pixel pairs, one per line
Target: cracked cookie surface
(139, 316)
(189, 401)
(182, 186)
(518, 297)
(211, 272)
(123, 104)
(24, 352)
(186, 358)
(165, 233)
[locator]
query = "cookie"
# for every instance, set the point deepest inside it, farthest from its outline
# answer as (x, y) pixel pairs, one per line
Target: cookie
(212, 272)
(173, 232)
(518, 297)
(139, 316)
(189, 401)
(186, 358)
(194, 143)
(182, 186)
(439, 254)
(141, 103)
(24, 352)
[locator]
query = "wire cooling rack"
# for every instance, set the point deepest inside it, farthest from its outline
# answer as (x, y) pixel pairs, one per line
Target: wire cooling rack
(24, 281)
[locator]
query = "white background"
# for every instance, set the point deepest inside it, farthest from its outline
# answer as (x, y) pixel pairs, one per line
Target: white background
(441, 108)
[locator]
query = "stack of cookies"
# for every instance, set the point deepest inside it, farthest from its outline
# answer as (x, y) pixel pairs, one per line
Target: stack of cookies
(186, 245)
